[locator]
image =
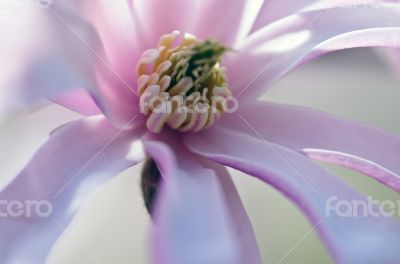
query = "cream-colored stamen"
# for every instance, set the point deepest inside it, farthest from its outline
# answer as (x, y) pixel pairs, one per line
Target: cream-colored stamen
(182, 85)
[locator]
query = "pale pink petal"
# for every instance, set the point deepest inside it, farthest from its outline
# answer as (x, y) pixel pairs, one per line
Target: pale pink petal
(77, 159)
(243, 229)
(46, 66)
(68, 54)
(361, 238)
(325, 137)
(114, 88)
(277, 49)
(118, 100)
(118, 31)
(114, 75)
(157, 18)
(193, 218)
(79, 101)
(273, 10)
(221, 20)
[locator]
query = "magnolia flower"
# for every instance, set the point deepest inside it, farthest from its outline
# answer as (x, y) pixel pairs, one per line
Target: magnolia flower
(157, 78)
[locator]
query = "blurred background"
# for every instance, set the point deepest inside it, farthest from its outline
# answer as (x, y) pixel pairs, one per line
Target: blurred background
(113, 226)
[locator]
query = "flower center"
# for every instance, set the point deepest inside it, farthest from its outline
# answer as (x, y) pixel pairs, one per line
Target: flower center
(182, 85)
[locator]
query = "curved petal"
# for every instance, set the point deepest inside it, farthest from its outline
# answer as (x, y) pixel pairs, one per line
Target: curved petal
(113, 91)
(77, 159)
(79, 101)
(193, 220)
(37, 68)
(359, 238)
(118, 32)
(273, 10)
(117, 100)
(157, 18)
(243, 229)
(210, 24)
(198, 17)
(69, 54)
(277, 49)
(325, 137)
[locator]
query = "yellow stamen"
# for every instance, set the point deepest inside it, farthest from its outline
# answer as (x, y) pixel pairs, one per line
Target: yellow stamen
(182, 86)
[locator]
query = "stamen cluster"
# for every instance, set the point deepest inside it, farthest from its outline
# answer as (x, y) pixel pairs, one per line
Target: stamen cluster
(182, 85)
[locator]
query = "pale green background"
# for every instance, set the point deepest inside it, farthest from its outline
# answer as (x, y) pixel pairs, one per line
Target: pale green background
(113, 226)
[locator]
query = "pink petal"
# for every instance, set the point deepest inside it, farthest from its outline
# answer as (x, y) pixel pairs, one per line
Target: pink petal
(243, 229)
(69, 54)
(78, 159)
(157, 18)
(45, 67)
(277, 49)
(206, 19)
(117, 99)
(357, 239)
(194, 219)
(113, 70)
(210, 23)
(326, 137)
(79, 101)
(273, 10)
(118, 31)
